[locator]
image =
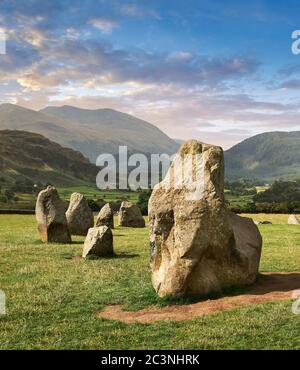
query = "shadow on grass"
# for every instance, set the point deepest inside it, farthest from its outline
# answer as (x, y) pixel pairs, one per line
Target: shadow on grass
(40, 242)
(150, 298)
(265, 283)
(70, 256)
(113, 256)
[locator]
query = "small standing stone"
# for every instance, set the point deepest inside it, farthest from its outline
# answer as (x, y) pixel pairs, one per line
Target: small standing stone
(79, 215)
(99, 242)
(130, 215)
(106, 216)
(51, 218)
(293, 220)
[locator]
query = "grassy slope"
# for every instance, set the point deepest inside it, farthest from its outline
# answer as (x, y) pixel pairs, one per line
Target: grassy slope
(268, 156)
(52, 299)
(25, 155)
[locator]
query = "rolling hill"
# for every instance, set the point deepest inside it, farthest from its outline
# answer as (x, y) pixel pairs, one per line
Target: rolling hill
(26, 155)
(92, 132)
(268, 156)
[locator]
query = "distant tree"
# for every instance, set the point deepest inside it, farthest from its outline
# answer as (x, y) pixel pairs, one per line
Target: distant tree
(9, 194)
(94, 206)
(143, 200)
(280, 192)
(26, 186)
(241, 187)
(3, 199)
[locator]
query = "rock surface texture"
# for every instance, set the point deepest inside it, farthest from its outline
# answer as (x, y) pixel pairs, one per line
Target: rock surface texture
(50, 215)
(99, 242)
(79, 215)
(293, 220)
(106, 216)
(130, 215)
(197, 245)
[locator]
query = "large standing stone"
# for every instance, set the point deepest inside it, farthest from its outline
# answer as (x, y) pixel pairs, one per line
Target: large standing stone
(50, 214)
(106, 216)
(197, 245)
(293, 220)
(99, 242)
(79, 215)
(130, 215)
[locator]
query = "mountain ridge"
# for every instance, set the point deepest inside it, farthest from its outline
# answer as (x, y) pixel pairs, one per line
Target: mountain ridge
(92, 132)
(267, 156)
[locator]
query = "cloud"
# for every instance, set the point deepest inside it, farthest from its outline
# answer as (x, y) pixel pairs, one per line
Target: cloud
(137, 10)
(289, 70)
(56, 55)
(133, 10)
(207, 116)
(88, 59)
(290, 84)
(104, 25)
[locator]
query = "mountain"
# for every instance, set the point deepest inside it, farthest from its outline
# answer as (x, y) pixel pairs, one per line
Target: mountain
(267, 156)
(107, 129)
(92, 132)
(26, 155)
(179, 141)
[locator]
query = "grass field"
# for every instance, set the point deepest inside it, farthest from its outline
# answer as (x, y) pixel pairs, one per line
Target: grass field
(52, 298)
(90, 192)
(238, 200)
(95, 193)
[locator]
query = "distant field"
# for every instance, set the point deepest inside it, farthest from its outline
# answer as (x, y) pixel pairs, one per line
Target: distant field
(259, 189)
(238, 200)
(274, 218)
(52, 298)
(108, 195)
(28, 200)
(95, 193)
(91, 192)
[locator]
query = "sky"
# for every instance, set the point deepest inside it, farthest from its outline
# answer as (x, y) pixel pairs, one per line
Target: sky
(212, 70)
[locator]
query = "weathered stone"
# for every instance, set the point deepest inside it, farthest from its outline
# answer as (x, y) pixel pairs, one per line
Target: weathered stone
(197, 245)
(79, 215)
(293, 220)
(50, 214)
(106, 216)
(99, 242)
(130, 215)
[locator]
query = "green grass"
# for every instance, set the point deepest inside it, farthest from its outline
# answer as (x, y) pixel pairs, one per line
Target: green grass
(52, 298)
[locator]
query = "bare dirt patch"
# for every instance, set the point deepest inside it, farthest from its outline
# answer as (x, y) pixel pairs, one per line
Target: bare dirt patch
(77, 258)
(271, 287)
